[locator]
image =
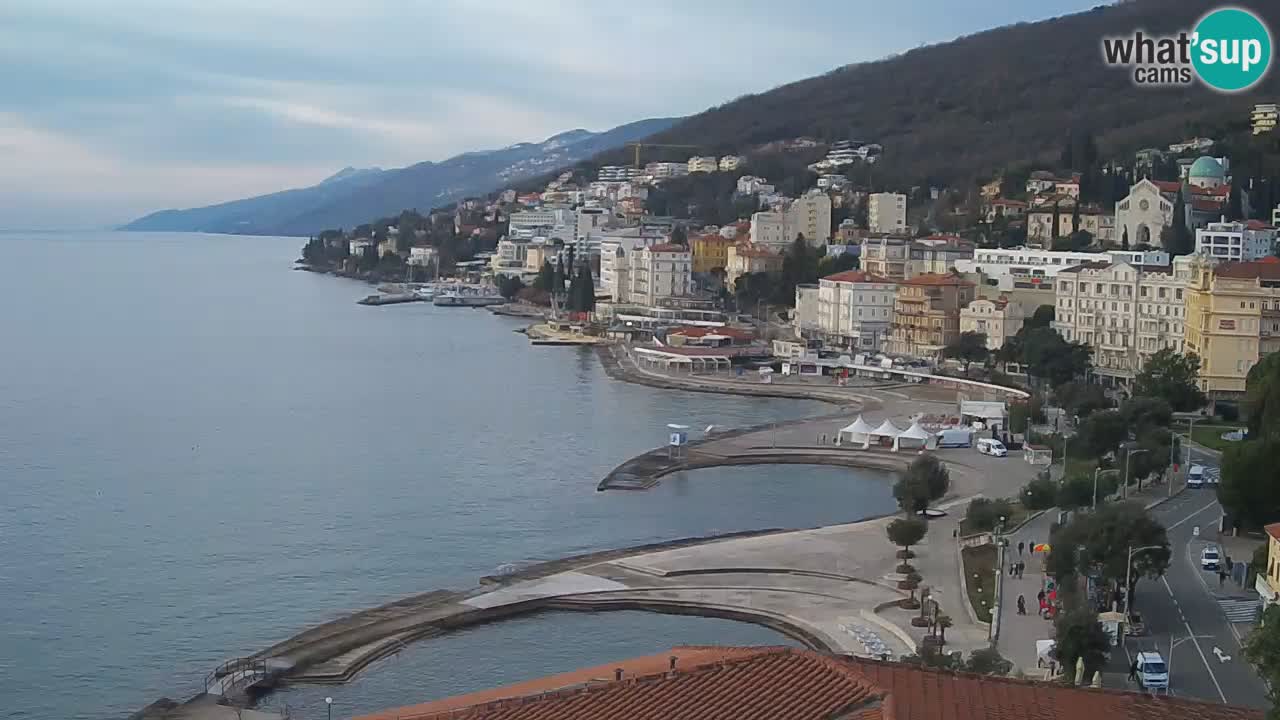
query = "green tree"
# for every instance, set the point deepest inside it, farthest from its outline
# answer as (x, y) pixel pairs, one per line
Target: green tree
(924, 480)
(1179, 240)
(1078, 634)
(1250, 487)
(1235, 208)
(546, 277)
(905, 532)
(1171, 376)
(832, 264)
(983, 514)
(1056, 229)
(1263, 650)
(988, 661)
(1042, 317)
(1262, 397)
(1050, 358)
(1146, 412)
(1124, 239)
(1039, 494)
(509, 285)
(1102, 432)
(1100, 542)
(679, 235)
(1077, 492)
(1080, 398)
(968, 347)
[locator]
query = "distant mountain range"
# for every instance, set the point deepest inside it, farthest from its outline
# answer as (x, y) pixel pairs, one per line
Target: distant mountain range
(357, 195)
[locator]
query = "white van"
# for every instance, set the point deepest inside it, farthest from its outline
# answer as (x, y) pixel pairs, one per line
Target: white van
(993, 447)
(1152, 672)
(1195, 476)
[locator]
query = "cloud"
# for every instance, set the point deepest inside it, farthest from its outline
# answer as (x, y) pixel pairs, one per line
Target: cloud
(191, 103)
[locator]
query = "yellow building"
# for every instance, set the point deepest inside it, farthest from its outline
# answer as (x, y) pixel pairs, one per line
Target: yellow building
(710, 251)
(926, 314)
(1233, 319)
(1268, 584)
(748, 258)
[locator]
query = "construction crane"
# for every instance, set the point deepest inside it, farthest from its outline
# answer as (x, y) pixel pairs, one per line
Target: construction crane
(638, 145)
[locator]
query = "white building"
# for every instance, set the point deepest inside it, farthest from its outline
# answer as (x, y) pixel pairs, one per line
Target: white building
(855, 310)
(664, 170)
(1234, 241)
(589, 221)
(1275, 217)
(1125, 313)
(806, 314)
(616, 246)
(1022, 264)
(617, 173)
(660, 271)
(769, 229)
(729, 163)
(1264, 117)
(422, 256)
(509, 257)
(357, 248)
(810, 215)
(1143, 214)
(1196, 143)
(998, 319)
(699, 164)
(548, 222)
(750, 185)
(887, 213)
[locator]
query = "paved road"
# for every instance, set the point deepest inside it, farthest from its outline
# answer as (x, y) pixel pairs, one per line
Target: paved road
(1187, 608)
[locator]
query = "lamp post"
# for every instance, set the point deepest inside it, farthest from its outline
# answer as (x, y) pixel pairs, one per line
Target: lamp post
(1096, 473)
(1128, 454)
(328, 703)
(1128, 571)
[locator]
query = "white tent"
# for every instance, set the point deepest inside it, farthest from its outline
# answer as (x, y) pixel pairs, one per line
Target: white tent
(886, 430)
(857, 431)
(914, 437)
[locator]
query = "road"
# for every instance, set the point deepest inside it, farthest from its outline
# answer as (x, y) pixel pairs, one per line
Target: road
(1187, 607)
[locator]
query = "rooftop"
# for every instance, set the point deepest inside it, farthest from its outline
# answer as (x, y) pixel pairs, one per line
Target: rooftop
(701, 683)
(697, 332)
(1273, 530)
(938, 279)
(668, 248)
(857, 276)
(1266, 269)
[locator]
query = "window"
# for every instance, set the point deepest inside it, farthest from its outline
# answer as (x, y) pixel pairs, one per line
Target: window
(1142, 291)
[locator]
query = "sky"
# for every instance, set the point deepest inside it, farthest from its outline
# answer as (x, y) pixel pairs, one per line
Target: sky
(110, 109)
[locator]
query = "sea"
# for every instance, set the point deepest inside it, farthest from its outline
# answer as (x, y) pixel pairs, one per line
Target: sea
(203, 451)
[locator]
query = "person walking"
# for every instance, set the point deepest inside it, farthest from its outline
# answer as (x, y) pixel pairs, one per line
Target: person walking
(1022, 605)
(1040, 597)
(1021, 545)
(1133, 671)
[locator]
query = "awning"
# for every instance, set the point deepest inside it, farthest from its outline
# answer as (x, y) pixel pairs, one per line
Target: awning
(858, 426)
(887, 429)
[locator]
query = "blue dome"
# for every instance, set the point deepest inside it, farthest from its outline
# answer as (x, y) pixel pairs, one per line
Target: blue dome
(1207, 167)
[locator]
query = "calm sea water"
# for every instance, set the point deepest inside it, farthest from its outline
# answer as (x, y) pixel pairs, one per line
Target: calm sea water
(202, 452)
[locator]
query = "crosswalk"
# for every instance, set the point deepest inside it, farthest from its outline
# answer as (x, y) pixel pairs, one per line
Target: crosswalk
(1240, 610)
(1212, 475)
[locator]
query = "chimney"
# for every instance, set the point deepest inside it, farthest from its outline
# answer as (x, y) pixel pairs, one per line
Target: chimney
(617, 674)
(672, 660)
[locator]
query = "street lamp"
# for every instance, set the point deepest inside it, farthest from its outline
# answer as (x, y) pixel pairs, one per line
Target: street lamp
(1128, 454)
(1096, 473)
(328, 703)
(1128, 571)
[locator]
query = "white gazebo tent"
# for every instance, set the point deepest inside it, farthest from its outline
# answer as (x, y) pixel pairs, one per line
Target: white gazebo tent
(857, 432)
(914, 437)
(886, 430)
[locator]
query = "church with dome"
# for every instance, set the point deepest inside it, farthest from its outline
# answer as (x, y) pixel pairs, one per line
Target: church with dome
(1149, 208)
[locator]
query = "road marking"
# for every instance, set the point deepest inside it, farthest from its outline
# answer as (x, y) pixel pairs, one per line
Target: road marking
(1194, 641)
(1240, 609)
(1195, 570)
(1185, 519)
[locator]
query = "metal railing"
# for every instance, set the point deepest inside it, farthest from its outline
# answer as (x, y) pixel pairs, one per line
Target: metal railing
(232, 674)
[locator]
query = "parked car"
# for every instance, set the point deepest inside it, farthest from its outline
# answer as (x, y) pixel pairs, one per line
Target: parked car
(1210, 559)
(993, 447)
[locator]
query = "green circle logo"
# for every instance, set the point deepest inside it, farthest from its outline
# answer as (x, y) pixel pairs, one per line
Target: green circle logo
(1231, 49)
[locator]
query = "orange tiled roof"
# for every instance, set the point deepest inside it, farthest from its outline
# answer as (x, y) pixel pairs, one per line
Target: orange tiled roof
(857, 276)
(1259, 269)
(774, 682)
(939, 279)
(1169, 186)
(1273, 530)
(668, 248)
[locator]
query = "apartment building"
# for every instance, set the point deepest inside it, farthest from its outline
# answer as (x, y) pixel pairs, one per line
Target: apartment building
(617, 173)
(660, 271)
(664, 170)
(1124, 312)
(1092, 220)
(710, 251)
(703, 164)
(747, 258)
(1236, 241)
(1008, 265)
(926, 314)
(1233, 320)
(886, 256)
(751, 185)
(1264, 117)
(937, 254)
(547, 222)
(616, 248)
(810, 215)
(509, 257)
(855, 310)
(998, 319)
(769, 229)
(887, 213)
(729, 163)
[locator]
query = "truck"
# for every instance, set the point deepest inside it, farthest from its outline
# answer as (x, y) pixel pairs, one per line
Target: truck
(955, 438)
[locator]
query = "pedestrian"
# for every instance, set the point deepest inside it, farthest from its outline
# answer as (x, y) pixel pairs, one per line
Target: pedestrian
(1222, 577)
(1022, 605)
(1021, 568)
(1021, 545)
(1133, 671)
(1013, 567)
(1040, 597)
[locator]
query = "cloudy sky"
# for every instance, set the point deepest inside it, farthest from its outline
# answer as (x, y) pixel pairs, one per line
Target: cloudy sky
(113, 108)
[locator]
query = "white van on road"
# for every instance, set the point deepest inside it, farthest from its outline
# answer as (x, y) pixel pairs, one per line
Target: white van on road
(993, 447)
(1152, 672)
(1195, 476)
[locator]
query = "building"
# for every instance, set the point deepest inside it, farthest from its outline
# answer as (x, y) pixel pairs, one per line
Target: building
(617, 173)
(1194, 144)
(1124, 312)
(885, 256)
(422, 256)
(1207, 173)
(926, 314)
(747, 258)
(1235, 241)
(660, 271)
(887, 213)
(1092, 220)
(710, 251)
(805, 317)
(665, 170)
(998, 319)
(855, 310)
(1025, 265)
(810, 215)
(699, 164)
(1003, 207)
(769, 229)
(729, 163)
(1145, 212)
(769, 683)
(509, 257)
(358, 248)
(937, 254)
(1264, 117)
(751, 185)
(1268, 584)
(616, 247)
(1233, 319)
(535, 255)
(546, 222)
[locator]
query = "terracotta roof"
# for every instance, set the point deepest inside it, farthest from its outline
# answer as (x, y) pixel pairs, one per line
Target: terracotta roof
(1205, 204)
(1249, 270)
(939, 279)
(1168, 186)
(857, 276)
(1273, 530)
(1011, 203)
(1258, 225)
(668, 248)
(773, 682)
(748, 250)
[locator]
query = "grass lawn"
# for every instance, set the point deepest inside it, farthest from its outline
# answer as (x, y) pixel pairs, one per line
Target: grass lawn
(1210, 436)
(980, 578)
(1013, 520)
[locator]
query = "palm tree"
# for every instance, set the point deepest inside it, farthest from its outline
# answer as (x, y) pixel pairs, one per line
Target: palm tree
(944, 622)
